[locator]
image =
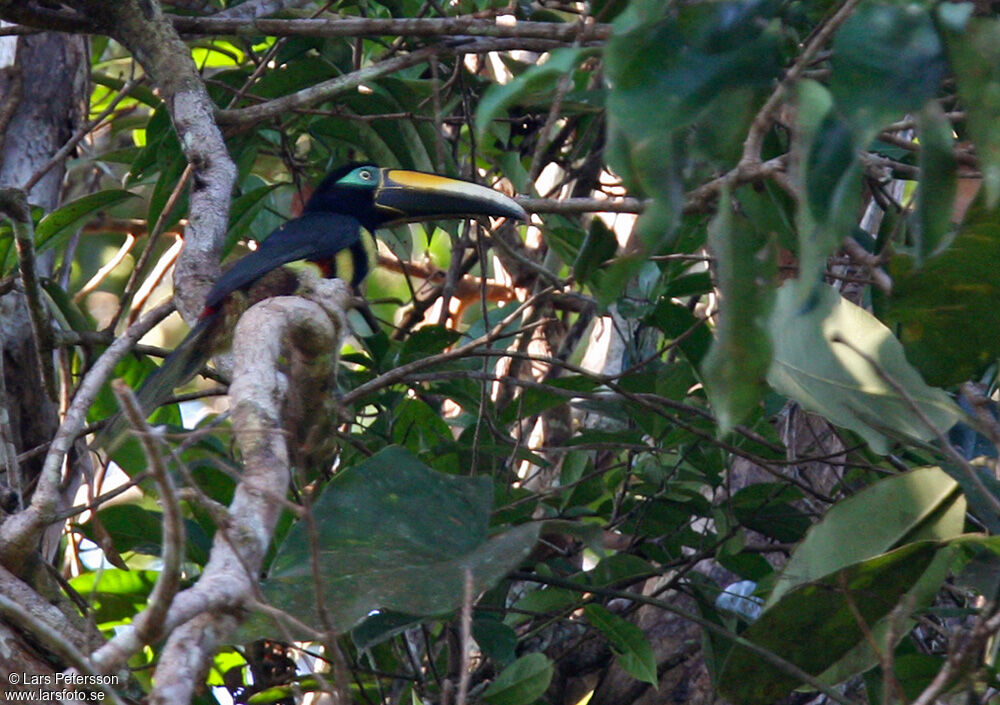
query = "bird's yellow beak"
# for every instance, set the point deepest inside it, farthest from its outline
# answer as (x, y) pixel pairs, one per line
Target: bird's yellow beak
(416, 195)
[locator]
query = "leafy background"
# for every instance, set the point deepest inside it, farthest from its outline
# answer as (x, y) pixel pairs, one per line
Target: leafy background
(738, 445)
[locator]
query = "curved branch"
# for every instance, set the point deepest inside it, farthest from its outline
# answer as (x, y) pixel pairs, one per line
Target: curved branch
(142, 28)
(202, 616)
(149, 623)
(19, 534)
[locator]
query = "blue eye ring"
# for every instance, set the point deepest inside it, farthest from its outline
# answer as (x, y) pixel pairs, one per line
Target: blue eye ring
(366, 174)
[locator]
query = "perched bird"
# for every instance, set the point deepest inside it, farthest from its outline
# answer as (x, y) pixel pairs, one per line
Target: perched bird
(334, 232)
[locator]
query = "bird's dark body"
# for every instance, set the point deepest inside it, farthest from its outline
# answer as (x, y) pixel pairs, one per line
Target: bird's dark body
(335, 233)
(314, 237)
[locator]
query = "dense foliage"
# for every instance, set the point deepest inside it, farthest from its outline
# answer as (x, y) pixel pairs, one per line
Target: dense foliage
(552, 446)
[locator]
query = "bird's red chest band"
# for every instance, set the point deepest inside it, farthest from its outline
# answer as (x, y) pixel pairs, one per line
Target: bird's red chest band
(328, 267)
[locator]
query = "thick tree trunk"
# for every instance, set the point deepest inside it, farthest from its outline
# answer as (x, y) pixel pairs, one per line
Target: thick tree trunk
(43, 81)
(42, 95)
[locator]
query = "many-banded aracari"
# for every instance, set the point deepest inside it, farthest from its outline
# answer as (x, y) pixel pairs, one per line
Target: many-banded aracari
(333, 232)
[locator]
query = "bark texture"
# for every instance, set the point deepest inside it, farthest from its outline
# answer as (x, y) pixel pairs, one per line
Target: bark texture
(42, 95)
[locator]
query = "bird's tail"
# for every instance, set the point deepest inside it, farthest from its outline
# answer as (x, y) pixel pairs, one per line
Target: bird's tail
(178, 367)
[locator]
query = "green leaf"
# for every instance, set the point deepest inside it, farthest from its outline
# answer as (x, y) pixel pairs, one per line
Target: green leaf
(736, 365)
(142, 93)
(356, 134)
(598, 247)
(833, 194)
(420, 428)
(816, 624)
(936, 194)
(522, 682)
(496, 639)
(535, 400)
(133, 528)
(380, 626)
(172, 165)
(675, 320)
(819, 344)
(973, 48)
(631, 646)
(426, 341)
(242, 214)
(766, 507)
(665, 74)
(542, 601)
(953, 297)
(925, 501)
(912, 671)
(887, 61)
(535, 86)
(116, 594)
(113, 581)
(889, 631)
(55, 228)
(392, 534)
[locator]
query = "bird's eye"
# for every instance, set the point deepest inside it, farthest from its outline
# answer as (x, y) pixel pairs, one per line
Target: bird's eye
(366, 175)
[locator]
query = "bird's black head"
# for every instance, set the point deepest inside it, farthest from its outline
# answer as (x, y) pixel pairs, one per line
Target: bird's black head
(378, 197)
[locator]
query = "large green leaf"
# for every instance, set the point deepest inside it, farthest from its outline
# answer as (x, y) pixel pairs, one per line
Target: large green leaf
(667, 73)
(392, 534)
(887, 61)
(947, 310)
(925, 501)
(134, 528)
(832, 177)
(889, 631)
(836, 359)
(53, 230)
(816, 624)
(116, 595)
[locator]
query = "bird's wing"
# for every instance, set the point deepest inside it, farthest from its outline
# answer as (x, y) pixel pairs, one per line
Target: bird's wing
(316, 237)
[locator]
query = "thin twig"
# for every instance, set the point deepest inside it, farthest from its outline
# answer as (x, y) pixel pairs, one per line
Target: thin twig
(957, 659)
(149, 623)
(768, 656)
(465, 639)
(132, 284)
(60, 156)
(939, 435)
(19, 532)
(398, 374)
(765, 116)
(325, 90)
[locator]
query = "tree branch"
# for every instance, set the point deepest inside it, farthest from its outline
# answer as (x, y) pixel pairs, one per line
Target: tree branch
(201, 616)
(19, 534)
(410, 27)
(258, 393)
(141, 26)
(325, 90)
(149, 622)
(257, 8)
